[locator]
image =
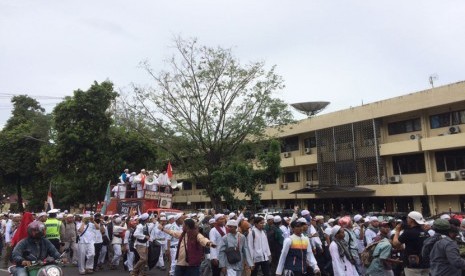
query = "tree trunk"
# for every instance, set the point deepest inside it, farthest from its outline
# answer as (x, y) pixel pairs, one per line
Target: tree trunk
(19, 194)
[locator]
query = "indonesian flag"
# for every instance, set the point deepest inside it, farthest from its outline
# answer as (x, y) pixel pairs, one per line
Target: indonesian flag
(169, 170)
(50, 200)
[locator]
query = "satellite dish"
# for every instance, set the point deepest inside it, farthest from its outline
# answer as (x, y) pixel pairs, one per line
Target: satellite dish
(310, 108)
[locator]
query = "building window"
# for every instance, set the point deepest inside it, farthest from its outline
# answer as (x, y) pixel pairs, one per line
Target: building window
(450, 160)
(409, 164)
(186, 185)
(404, 126)
(447, 119)
(311, 175)
(199, 186)
(291, 177)
(290, 144)
(269, 180)
(310, 142)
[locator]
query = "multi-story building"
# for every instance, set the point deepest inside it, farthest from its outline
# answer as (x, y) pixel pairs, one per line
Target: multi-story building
(400, 154)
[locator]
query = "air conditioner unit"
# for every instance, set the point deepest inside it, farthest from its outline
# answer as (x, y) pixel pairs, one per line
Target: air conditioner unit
(284, 186)
(395, 179)
(454, 129)
(450, 175)
(462, 174)
(308, 151)
(287, 154)
(261, 187)
(415, 137)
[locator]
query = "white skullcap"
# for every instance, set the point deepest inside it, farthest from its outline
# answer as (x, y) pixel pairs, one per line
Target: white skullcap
(303, 220)
(331, 220)
(445, 216)
(118, 220)
(357, 217)
(212, 220)
(218, 216)
(367, 219)
(144, 216)
(335, 229)
(85, 215)
(162, 218)
(286, 218)
(60, 216)
(177, 216)
(305, 212)
(231, 215)
(268, 217)
(41, 214)
(231, 222)
(374, 219)
(170, 217)
(277, 219)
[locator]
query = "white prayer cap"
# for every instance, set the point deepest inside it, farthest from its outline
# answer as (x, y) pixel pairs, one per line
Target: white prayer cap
(218, 216)
(162, 218)
(303, 220)
(268, 217)
(60, 216)
(53, 211)
(367, 219)
(212, 220)
(231, 222)
(118, 220)
(133, 173)
(177, 216)
(231, 215)
(287, 218)
(331, 220)
(16, 215)
(277, 219)
(305, 212)
(144, 216)
(115, 215)
(41, 214)
(374, 219)
(170, 217)
(335, 229)
(445, 216)
(69, 215)
(357, 217)
(85, 215)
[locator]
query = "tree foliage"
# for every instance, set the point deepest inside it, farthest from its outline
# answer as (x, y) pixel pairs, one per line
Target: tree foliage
(80, 153)
(203, 110)
(21, 140)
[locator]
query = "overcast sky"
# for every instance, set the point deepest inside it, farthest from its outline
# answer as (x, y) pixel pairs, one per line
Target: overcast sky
(346, 52)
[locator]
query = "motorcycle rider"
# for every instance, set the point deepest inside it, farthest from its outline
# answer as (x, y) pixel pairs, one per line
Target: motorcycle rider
(33, 248)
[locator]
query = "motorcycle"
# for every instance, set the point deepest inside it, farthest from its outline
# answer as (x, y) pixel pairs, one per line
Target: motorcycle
(47, 267)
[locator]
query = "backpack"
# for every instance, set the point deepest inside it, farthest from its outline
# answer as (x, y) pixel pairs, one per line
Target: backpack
(367, 254)
(428, 246)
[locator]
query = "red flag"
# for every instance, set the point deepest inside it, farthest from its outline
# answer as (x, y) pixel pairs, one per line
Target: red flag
(21, 232)
(169, 170)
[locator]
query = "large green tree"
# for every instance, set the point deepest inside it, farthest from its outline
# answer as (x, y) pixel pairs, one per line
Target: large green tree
(79, 161)
(21, 140)
(206, 109)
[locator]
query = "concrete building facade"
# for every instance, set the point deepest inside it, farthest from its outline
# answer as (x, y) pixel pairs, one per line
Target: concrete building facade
(400, 154)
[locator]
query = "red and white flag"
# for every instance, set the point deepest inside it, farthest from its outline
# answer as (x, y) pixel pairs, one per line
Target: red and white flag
(169, 170)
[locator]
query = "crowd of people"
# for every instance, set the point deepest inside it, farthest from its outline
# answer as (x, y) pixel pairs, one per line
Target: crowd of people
(133, 185)
(238, 244)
